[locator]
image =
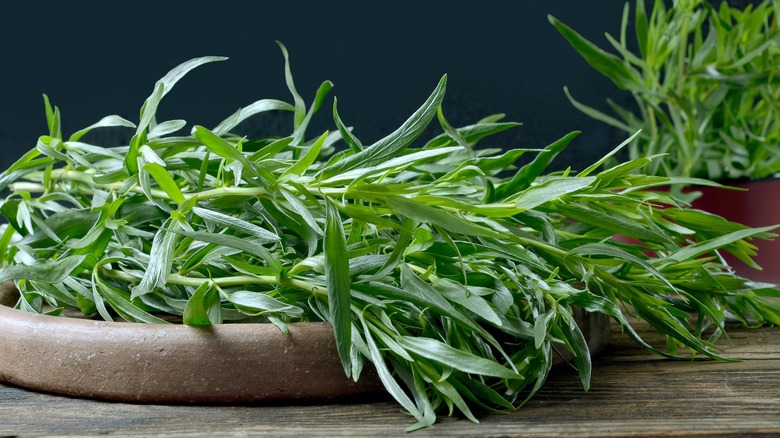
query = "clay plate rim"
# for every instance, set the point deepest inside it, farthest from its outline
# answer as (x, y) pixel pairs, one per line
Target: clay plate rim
(226, 363)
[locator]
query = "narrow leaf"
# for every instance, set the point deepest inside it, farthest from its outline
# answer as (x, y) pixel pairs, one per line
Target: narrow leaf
(551, 190)
(237, 224)
(389, 146)
(452, 357)
(305, 162)
(261, 302)
(337, 277)
(607, 64)
(203, 307)
(528, 173)
(160, 261)
(105, 122)
(697, 249)
(165, 181)
(244, 113)
(54, 272)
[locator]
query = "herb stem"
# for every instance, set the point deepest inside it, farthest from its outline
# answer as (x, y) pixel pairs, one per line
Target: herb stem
(86, 178)
(305, 285)
(28, 187)
(195, 282)
(224, 281)
(227, 191)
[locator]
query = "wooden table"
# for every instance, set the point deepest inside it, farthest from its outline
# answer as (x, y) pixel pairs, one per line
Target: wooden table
(633, 393)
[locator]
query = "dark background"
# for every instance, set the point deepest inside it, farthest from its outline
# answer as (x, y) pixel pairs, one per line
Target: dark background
(384, 59)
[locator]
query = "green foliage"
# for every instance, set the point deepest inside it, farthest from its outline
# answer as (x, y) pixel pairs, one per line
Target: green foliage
(456, 282)
(705, 85)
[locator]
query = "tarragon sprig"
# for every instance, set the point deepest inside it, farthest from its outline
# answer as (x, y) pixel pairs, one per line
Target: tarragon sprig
(449, 268)
(704, 82)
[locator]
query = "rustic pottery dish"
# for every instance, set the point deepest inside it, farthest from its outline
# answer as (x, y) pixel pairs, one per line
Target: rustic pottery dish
(172, 363)
(226, 363)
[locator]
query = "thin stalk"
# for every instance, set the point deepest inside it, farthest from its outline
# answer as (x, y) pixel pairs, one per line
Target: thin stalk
(237, 280)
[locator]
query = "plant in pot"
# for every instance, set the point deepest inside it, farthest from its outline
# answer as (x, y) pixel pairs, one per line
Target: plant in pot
(706, 98)
(445, 272)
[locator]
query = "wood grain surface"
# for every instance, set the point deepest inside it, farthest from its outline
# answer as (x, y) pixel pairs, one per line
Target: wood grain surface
(633, 393)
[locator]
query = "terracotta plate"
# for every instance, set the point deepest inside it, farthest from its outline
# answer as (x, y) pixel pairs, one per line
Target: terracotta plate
(227, 363)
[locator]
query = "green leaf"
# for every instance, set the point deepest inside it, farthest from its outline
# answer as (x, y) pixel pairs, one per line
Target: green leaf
(503, 161)
(298, 207)
(261, 302)
(424, 213)
(640, 24)
(250, 245)
(53, 272)
(263, 235)
(337, 277)
(401, 244)
(21, 163)
(5, 242)
(614, 253)
(596, 114)
(615, 224)
(449, 392)
(300, 105)
(551, 190)
(578, 346)
(353, 142)
(203, 307)
(271, 150)
(149, 109)
(165, 181)
(606, 157)
(415, 290)
(165, 128)
(225, 149)
(160, 261)
(453, 133)
(448, 356)
(242, 114)
(322, 92)
(74, 146)
(178, 72)
(394, 164)
(541, 328)
(52, 118)
(56, 294)
(605, 63)
(105, 122)
(528, 173)
(472, 134)
(697, 249)
(125, 307)
(392, 386)
(458, 293)
(305, 162)
(389, 146)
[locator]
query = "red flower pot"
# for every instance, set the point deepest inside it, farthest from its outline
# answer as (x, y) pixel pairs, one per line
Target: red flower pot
(758, 206)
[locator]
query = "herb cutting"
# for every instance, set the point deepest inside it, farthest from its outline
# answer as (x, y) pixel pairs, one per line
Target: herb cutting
(704, 83)
(451, 268)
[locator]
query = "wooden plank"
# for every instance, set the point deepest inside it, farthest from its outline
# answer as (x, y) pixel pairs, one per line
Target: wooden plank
(633, 393)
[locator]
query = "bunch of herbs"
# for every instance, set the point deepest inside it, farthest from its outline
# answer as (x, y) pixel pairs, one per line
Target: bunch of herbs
(704, 83)
(451, 269)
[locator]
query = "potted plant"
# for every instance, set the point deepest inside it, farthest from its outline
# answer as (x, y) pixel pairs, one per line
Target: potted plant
(705, 98)
(441, 269)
